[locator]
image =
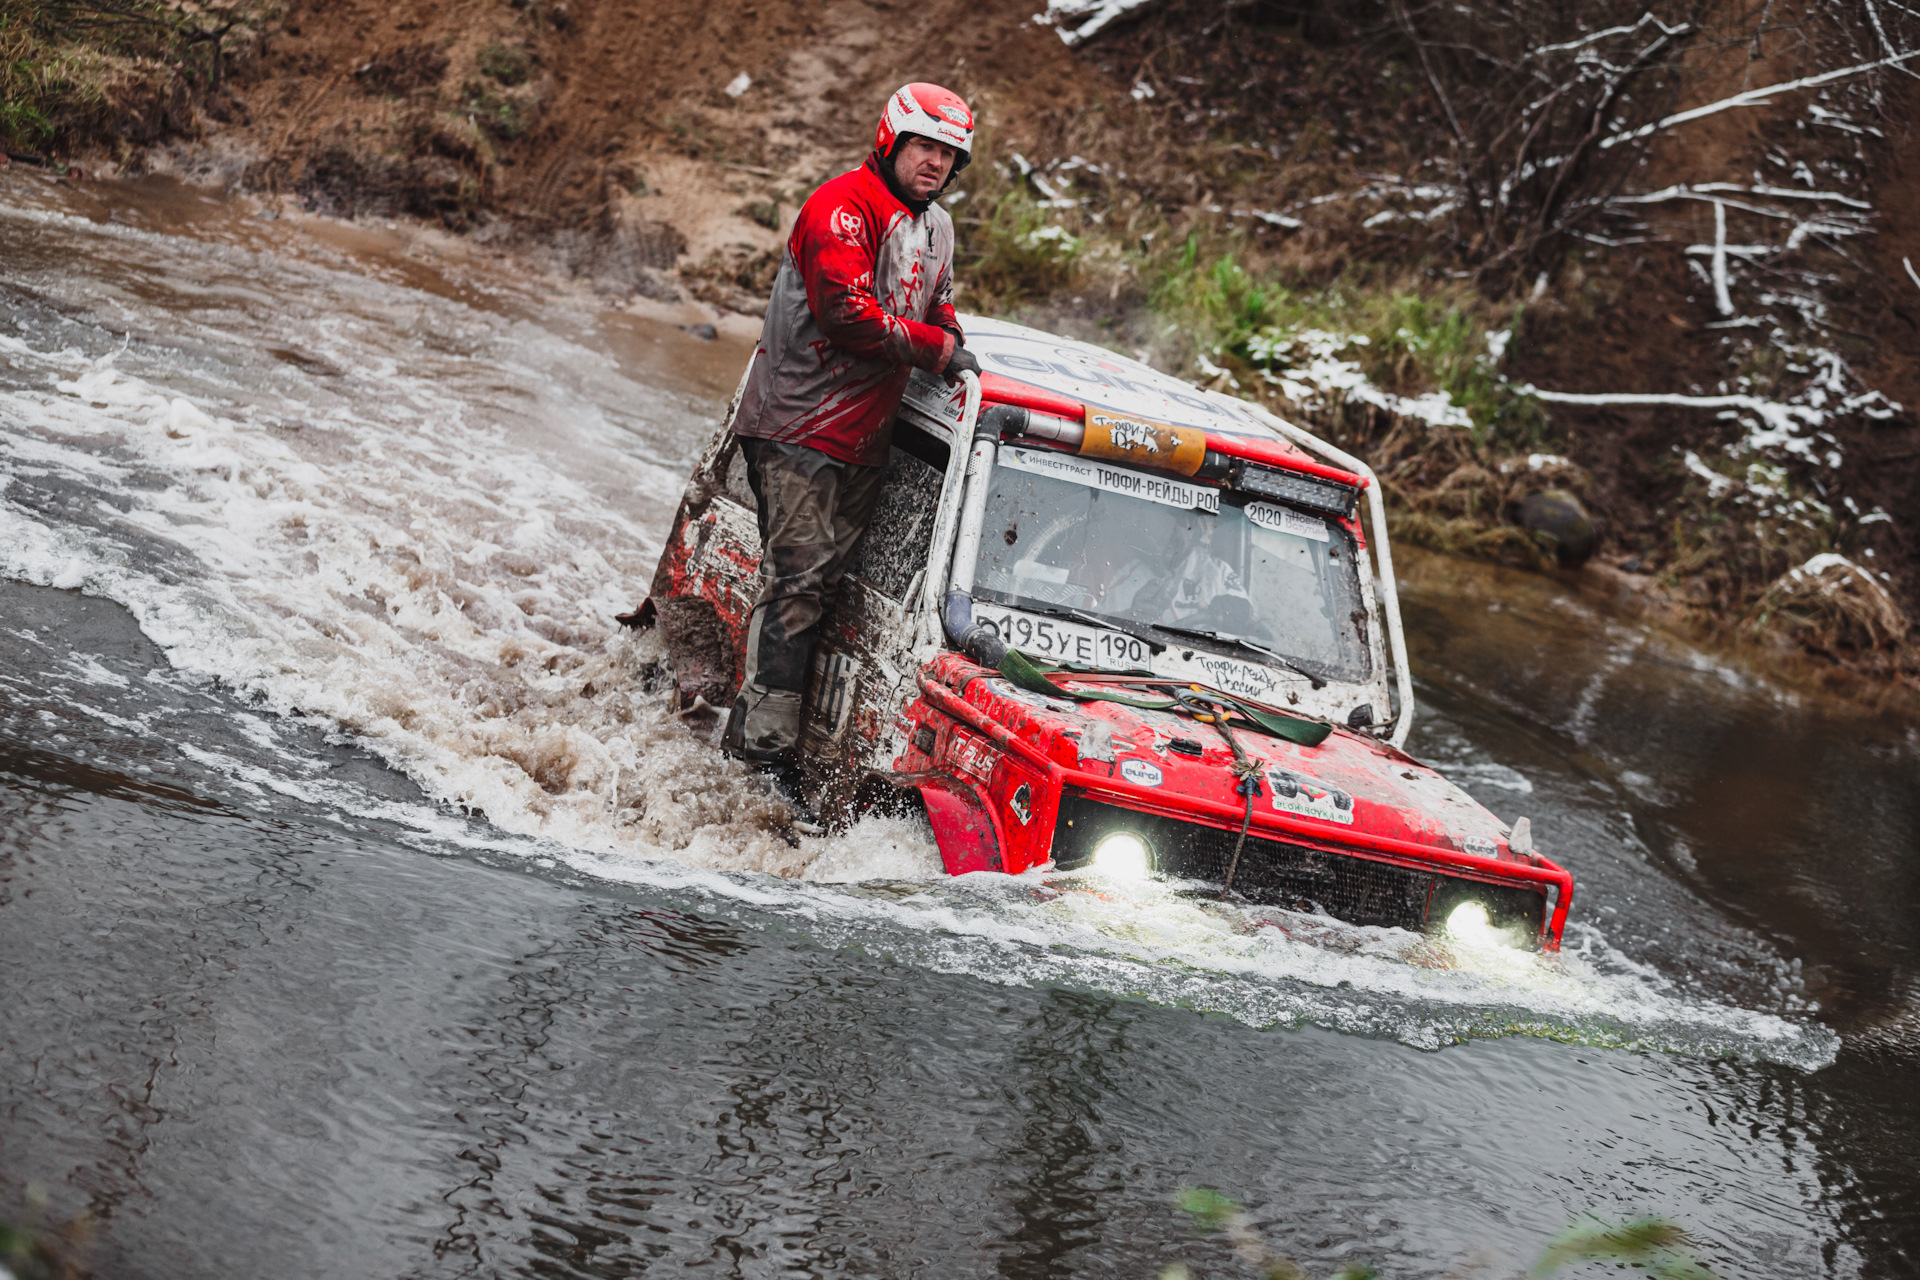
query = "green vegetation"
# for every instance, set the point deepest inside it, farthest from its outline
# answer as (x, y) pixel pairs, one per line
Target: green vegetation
(1405, 341)
(37, 1250)
(503, 115)
(509, 64)
(1454, 485)
(1329, 344)
(1653, 1245)
(1209, 304)
(1215, 1212)
(1019, 253)
(764, 212)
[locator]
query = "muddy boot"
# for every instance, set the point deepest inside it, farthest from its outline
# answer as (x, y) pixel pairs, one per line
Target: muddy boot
(791, 786)
(764, 726)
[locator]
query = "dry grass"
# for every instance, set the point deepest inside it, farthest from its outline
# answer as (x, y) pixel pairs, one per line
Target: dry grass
(48, 91)
(115, 72)
(1834, 607)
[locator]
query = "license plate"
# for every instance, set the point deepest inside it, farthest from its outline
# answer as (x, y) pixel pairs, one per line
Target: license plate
(1060, 641)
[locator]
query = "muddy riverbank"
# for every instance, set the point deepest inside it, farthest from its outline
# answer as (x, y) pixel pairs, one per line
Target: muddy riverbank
(1702, 335)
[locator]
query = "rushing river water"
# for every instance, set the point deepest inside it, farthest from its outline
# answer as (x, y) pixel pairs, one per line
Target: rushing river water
(362, 914)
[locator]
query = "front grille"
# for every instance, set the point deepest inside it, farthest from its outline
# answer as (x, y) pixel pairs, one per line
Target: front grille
(1355, 889)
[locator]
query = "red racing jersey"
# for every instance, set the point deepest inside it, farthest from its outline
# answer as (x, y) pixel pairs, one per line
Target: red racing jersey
(864, 295)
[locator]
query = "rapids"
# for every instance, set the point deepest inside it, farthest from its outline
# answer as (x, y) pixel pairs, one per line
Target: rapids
(311, 539)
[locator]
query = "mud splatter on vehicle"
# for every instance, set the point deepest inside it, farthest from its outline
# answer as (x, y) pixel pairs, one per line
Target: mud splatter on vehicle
(1105, 619)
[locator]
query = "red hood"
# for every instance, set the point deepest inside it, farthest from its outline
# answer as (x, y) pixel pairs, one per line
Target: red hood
(1389, 794)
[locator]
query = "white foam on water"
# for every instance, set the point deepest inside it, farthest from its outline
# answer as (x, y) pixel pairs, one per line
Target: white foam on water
(87, 669)
(878, 848)
(425, 554)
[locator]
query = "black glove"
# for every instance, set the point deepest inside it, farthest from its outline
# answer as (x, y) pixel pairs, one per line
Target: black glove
(959, 360)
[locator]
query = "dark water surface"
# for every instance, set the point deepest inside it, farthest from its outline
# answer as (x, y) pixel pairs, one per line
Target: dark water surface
(301, 981)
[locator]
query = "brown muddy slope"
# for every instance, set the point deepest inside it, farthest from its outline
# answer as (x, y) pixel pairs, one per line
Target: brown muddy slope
(1798, 541)
(603, 128)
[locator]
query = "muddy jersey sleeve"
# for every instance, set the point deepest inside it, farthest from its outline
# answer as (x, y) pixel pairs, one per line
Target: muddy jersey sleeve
(835, 249)
(940, 312)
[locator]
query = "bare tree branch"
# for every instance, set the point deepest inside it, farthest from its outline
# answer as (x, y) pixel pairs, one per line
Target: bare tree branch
(1755, 97)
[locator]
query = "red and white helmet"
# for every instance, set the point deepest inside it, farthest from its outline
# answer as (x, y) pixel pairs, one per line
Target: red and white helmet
(931, 112)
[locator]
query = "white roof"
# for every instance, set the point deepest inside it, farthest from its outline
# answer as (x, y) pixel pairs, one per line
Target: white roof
(1102, 378)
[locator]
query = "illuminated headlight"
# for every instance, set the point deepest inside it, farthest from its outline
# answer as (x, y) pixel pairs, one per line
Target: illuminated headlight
(1469, 925)
(1122, 857)
(1303, 491)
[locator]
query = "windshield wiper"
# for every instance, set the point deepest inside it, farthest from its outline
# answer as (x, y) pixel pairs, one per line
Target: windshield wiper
(1241, 642)
(1140, 633)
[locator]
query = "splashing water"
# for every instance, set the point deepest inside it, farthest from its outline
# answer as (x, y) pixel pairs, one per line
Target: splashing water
(416, 535)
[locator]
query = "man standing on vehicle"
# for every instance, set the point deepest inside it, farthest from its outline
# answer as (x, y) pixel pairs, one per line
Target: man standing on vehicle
(863, 297)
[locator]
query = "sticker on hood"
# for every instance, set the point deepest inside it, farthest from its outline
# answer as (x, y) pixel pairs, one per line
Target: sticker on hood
(1299, 794)
(1141, 774)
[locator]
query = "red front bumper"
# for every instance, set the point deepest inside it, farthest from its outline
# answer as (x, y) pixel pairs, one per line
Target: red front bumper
(994, 795)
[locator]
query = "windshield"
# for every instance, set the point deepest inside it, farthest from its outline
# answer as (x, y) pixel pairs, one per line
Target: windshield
(1149, 551)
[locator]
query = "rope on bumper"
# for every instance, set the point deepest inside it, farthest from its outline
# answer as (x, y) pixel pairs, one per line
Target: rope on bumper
(1246, 770)
(1251, 786)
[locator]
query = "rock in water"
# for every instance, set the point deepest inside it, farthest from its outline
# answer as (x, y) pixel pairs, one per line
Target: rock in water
(1559, 515)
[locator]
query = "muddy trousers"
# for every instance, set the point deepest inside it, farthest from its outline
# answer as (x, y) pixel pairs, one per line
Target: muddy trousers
(812, 510)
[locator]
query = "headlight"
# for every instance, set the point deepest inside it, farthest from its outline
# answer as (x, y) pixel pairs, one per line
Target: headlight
(1470, 925)
(1122, 856)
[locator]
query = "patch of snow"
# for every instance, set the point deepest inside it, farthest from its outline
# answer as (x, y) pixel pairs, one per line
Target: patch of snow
(1834, 120)
(1314, 370)
(1214, 371)
(1731, 250)
(1830, 571)
(1708, 190)
(1271, 219)
(1819, 564)
(1717, 484)
(1078, 20)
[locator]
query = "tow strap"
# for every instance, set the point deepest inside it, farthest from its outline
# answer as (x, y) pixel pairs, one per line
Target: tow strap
(1032, 675)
